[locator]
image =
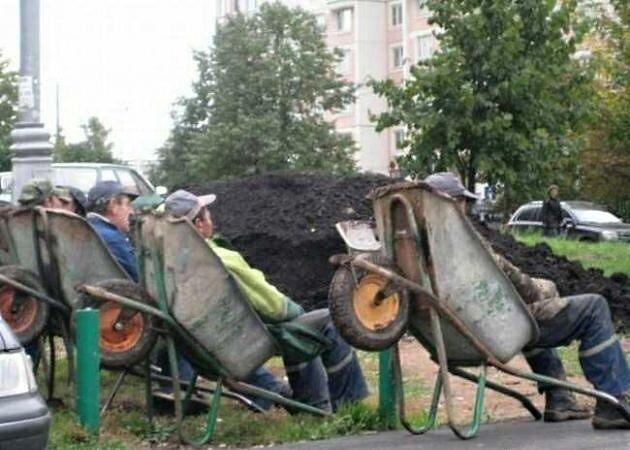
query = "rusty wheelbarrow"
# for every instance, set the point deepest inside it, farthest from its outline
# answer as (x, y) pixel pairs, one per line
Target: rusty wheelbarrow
(459, 304)
(196, 305)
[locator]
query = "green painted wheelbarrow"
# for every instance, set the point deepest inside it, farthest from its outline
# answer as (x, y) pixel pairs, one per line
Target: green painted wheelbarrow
(186, 295)
(437, 279)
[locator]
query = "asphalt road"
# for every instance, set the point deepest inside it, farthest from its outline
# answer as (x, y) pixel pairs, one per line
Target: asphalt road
(576, 435)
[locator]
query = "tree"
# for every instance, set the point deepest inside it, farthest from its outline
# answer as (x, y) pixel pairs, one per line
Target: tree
(94, 148)
(8, 112)
(605, 161)
(501, 100)
(260, 102)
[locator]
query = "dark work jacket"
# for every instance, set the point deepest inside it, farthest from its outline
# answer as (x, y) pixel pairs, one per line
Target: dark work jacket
(117, 243)
(551, 213)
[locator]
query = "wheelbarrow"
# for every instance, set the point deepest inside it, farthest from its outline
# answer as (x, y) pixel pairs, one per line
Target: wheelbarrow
(33, 300)
(459, 304)
(197, 307)
(49, 253)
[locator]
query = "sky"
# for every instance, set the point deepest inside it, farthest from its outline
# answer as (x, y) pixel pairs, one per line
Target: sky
(123, 61)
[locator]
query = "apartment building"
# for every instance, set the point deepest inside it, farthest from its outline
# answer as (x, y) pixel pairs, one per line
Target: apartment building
(379, 40)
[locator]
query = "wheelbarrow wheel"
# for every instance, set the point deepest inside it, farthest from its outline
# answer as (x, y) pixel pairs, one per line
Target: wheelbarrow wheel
(26, 315)
(127, 335)
(366, 315)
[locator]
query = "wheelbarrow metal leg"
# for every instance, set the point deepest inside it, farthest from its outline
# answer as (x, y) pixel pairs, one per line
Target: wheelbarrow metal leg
(471, 431)
(400, 394)
(527, 404)
(113, 392)
(148, 392)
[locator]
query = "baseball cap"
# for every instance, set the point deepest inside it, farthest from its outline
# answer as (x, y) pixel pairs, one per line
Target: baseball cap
(448, 183)
(79, 198)
(103, 191)
(35, 192)
(182, 203)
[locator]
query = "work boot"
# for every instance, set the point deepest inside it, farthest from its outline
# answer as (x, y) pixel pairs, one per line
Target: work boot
(608, 417)
(561, 405)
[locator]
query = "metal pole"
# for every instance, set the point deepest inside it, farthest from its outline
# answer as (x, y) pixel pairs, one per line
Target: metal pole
(31, 142)
(88, 370)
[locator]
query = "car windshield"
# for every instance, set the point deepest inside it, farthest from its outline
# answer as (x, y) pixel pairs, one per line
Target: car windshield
(595, 216)
(79, 177)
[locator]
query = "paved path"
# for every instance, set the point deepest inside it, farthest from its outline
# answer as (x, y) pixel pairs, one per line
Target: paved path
(576, 435)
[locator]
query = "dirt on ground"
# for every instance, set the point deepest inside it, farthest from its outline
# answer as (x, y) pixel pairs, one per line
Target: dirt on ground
(284, 225)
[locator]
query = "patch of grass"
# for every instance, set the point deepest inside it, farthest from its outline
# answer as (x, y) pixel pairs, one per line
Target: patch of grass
(610, 257)
(570, 360)
(67, 434)
(242, 428)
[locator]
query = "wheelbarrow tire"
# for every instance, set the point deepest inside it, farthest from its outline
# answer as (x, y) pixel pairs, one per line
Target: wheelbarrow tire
(131, 343)
(385, 324)
(29, 319)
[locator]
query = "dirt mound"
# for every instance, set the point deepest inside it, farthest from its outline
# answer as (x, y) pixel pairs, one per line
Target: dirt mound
(570, 277)
(284, 225)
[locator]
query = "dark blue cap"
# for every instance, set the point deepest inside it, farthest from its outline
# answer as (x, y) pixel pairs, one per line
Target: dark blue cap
(104, 191)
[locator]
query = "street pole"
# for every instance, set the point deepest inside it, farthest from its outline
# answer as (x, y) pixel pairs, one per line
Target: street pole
(32, 150)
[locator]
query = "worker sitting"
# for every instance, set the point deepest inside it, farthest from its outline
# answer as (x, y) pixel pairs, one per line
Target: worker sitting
(341, 381)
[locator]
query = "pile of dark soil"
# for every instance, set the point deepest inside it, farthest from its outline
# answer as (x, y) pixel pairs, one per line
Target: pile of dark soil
(284, 225)
(570, 277)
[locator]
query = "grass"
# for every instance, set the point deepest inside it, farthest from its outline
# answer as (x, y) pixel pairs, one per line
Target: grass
(610, 257)
(125, 427)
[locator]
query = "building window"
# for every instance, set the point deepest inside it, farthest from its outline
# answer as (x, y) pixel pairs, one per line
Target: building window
(252, 5)
(397, 57)
(425, 46)
(343, 66)
(423, 11)
(320, 21)
(399, 139)
(396, 14)
(344, 20)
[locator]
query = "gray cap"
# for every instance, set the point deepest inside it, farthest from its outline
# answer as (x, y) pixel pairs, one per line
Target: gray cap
(103, 191)
(182, 203)
(449, 183)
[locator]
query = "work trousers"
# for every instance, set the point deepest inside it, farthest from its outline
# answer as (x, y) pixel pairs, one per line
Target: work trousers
(326, 382)
(330, 380)
(586, 319)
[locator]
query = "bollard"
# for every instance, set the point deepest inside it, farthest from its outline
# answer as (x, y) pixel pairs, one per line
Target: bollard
(387, 389)
(88, 381)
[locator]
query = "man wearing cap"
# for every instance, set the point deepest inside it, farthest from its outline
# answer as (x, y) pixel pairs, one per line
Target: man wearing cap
(551, 212)
(561, 320)
(40, 192)
(109, 206)
(342, 381)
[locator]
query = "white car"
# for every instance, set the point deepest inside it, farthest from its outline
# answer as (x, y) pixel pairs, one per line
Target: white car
(85, 175)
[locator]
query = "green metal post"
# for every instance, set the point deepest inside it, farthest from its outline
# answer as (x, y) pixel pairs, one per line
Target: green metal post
(387, 389)
(88, 370)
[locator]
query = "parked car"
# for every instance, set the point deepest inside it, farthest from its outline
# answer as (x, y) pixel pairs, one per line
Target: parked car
(580, 220)
(24, 416)
(85, 175)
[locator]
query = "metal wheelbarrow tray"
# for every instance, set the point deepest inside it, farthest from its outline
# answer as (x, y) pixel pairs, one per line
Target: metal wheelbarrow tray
(203, 312)
(463, 308)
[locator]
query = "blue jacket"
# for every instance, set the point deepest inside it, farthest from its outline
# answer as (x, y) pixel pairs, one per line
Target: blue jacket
(117, 243)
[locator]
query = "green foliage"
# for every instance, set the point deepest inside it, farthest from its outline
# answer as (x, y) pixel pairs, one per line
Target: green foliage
(94, 148)
(501, 100)
(605, 161)
(259, 103)
(8, 112)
